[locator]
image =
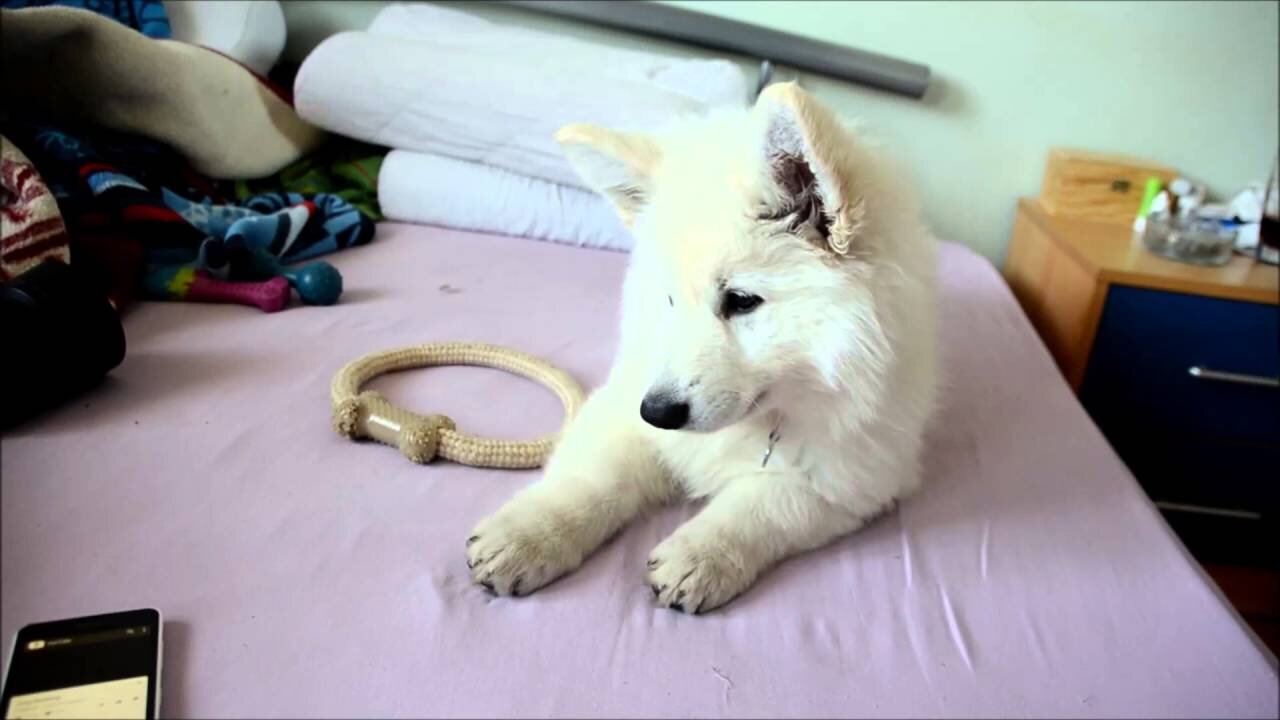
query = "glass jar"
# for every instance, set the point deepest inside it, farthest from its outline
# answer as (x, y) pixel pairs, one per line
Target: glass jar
(1197, 240)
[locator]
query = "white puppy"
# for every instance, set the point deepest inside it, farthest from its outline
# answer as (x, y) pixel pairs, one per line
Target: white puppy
(777, 355)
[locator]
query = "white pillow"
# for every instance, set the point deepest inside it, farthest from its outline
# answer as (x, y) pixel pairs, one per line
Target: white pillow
(251, 31)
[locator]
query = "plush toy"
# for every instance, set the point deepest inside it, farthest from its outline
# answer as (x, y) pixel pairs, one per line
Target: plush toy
(94, 70)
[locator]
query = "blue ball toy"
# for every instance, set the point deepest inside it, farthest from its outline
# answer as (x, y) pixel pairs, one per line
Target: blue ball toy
(317, 283)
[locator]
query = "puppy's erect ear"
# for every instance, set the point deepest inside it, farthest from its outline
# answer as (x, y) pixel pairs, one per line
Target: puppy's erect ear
(802, 145)
(617, 165)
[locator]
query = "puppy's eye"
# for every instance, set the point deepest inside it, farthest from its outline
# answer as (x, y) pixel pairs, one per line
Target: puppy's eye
(736, 302)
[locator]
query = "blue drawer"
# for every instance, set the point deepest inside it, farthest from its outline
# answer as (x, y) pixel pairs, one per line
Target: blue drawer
(1188, 439)
(1148, 339)
(1191, 471)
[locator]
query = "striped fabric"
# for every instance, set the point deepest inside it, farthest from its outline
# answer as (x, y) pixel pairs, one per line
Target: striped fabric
(31, 228)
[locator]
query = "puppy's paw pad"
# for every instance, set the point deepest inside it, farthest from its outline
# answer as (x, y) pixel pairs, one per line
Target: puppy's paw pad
(693, 577)
(517, 551)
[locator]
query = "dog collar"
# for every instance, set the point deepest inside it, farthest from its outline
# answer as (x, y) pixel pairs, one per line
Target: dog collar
(774, 436)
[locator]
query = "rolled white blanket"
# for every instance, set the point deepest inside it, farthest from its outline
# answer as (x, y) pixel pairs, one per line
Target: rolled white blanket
(431, 189)
(431, 79)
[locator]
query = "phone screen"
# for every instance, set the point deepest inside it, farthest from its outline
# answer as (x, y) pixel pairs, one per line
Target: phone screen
(104, 666)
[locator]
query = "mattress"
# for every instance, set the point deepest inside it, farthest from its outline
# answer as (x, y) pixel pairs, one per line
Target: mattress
(301, 574)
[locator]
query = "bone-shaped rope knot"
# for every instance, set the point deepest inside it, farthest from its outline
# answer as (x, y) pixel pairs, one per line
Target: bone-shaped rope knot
(420, 440)
(346, 418)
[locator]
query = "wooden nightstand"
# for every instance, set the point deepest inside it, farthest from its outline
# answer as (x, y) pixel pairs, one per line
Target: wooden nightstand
(1061, 268)
(1179, 366)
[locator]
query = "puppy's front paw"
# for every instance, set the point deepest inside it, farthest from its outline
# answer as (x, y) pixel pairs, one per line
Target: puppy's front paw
(693, 574)
(521, 548)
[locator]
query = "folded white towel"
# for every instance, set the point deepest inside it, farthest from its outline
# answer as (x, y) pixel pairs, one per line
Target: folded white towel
(435, 190)
(431, 79)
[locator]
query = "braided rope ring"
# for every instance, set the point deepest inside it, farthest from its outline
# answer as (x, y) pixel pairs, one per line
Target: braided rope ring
(421, 438)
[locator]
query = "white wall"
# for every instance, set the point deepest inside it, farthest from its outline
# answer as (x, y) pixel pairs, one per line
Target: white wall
(1188, 84)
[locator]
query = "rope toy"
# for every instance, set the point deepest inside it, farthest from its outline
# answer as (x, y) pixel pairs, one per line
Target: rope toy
(421, 438)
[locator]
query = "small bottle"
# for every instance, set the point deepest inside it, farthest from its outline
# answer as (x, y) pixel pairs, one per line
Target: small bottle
(1269, 229)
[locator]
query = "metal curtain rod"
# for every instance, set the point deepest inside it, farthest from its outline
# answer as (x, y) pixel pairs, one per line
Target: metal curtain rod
(672, 23)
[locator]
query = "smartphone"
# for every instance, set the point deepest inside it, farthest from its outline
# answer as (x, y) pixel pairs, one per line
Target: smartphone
(101, 666)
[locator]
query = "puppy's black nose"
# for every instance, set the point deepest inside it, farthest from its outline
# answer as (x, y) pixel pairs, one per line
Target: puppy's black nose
(664, 411)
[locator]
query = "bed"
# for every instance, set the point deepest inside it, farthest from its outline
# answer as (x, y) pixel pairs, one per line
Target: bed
(303, 575)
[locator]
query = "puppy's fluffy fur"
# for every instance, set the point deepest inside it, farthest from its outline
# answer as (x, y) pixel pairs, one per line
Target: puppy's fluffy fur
(782, 283)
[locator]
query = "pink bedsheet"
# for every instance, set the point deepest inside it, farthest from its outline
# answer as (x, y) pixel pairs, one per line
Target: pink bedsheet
(301, 574)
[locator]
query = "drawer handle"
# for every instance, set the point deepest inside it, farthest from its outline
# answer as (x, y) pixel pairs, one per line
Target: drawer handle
(1206, 374)
(1205, 510)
